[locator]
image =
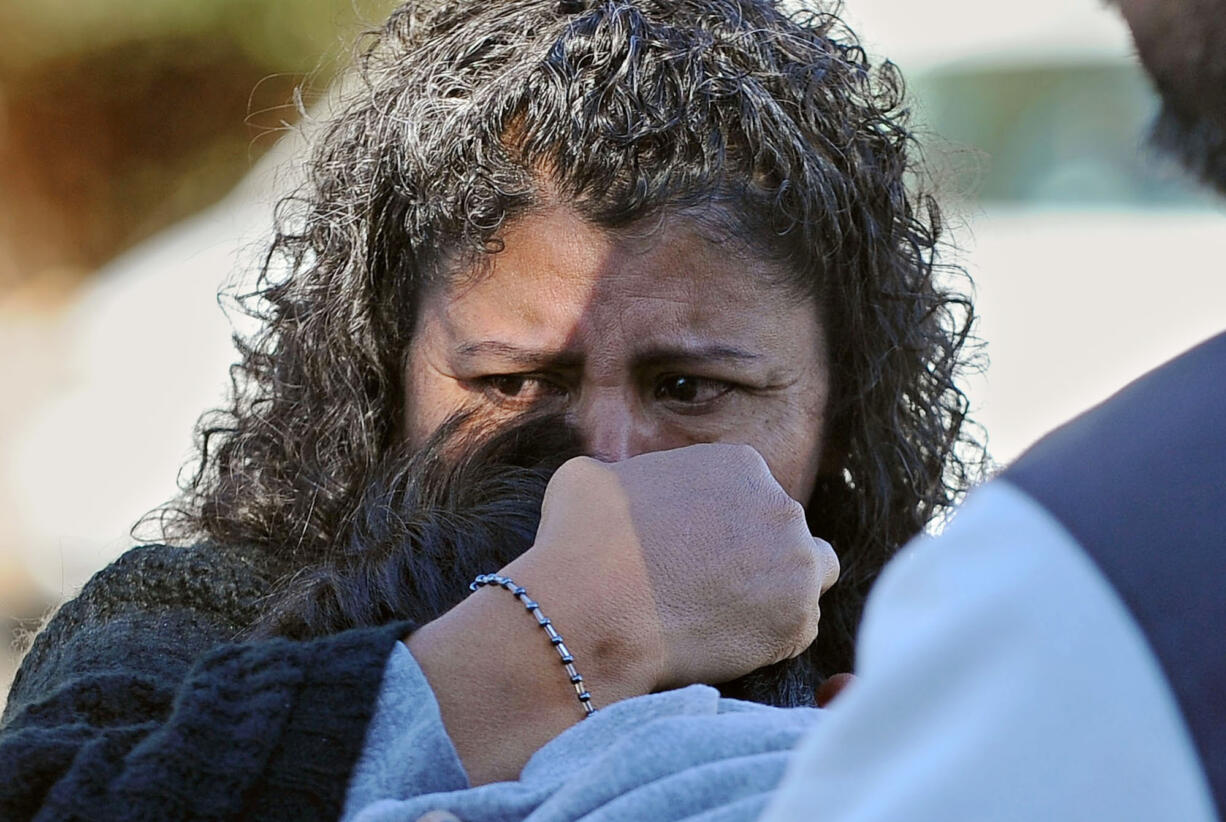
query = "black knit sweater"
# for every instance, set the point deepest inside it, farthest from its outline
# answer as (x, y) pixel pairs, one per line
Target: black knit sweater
(135, 702)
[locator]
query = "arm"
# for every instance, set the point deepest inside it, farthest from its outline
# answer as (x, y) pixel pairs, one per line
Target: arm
(667, 569)
(685, 753)
(687, 566)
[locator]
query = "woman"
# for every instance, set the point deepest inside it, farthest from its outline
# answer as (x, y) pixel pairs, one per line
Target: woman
(651, 225)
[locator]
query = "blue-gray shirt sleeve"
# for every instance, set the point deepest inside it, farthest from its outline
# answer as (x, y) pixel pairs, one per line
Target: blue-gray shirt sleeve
(684, 754)
(407, 751)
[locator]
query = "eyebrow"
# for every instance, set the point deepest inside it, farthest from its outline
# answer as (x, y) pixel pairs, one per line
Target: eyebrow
(526, 357)
(656, 355)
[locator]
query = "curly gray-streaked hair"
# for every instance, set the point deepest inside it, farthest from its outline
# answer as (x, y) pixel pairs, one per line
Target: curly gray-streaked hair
(471, 114)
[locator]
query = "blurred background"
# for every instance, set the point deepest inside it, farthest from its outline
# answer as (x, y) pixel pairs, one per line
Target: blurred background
(140, 156)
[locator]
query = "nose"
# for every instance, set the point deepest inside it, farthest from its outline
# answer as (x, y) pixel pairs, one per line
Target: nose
(612, 428)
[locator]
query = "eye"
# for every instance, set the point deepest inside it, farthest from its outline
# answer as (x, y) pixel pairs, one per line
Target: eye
(519, 389)
(685, 390)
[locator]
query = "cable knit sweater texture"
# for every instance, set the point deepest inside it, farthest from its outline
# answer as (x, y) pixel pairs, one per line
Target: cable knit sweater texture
(136, 702)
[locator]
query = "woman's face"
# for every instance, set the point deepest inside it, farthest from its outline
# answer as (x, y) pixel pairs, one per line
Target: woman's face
(645, 342)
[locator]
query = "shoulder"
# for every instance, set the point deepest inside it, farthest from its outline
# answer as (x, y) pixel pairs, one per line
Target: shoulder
(212, 577)
(156, 605)
(221, 581)
(1140, 484)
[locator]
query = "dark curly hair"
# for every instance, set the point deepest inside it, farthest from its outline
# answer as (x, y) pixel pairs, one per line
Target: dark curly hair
(468, 115)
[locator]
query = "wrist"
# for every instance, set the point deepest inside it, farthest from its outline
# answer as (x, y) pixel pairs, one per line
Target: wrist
(612, 633)
(491, 669)
(533, 608)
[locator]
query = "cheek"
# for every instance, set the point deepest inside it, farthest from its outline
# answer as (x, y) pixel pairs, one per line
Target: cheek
(795, 433)
(789, 438)
(795, 439)
(795, 465)
(429, 398)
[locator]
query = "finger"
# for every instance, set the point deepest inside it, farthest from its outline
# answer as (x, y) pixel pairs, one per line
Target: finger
(829, 563)
(832, 687)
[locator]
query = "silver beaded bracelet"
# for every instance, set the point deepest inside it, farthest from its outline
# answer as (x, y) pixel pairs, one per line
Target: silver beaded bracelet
(555, 638)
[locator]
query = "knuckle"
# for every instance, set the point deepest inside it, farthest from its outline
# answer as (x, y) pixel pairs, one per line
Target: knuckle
(793, 510)
(799, 632)
(749, 457)
(801, 627)
(797, 621)
(810, 564)
(740, 458)
(574, 481)
(802, 560)
(577, 469)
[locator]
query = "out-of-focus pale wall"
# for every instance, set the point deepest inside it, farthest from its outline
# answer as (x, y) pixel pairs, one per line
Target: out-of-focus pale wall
(1094, 260)
(124, 128)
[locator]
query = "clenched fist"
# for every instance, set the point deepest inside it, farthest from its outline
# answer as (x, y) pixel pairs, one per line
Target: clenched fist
(693, 564)
(662, 570)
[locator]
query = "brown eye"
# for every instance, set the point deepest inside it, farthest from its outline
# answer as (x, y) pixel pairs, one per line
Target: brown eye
(509, 385)
(514, 389)
(687, 390)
